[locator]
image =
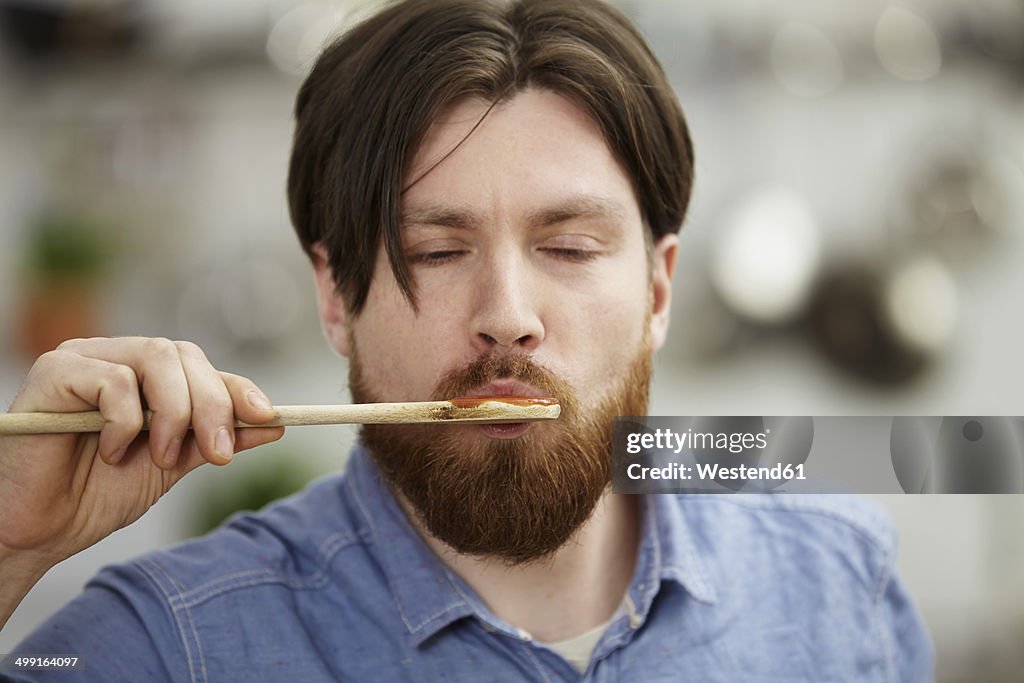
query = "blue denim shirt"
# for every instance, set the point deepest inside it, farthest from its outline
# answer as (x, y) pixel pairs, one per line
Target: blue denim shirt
(333, 584)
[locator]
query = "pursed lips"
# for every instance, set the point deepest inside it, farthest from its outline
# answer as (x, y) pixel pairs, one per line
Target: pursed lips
(506, 389)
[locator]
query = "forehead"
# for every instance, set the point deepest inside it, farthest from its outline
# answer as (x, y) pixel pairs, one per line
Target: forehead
(530, 154)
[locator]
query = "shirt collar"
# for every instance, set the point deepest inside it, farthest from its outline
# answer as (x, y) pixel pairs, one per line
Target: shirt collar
(429, 596)
(668, 549)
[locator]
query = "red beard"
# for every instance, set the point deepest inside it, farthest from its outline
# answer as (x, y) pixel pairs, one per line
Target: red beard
(518, 499)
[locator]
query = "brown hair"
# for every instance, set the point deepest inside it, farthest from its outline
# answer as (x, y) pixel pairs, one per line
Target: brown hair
(372, 95)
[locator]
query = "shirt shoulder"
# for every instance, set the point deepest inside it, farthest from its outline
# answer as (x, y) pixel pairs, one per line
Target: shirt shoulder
(860, 516)
(255, 586)
(835, 538)
(804, 582)
(291, 543)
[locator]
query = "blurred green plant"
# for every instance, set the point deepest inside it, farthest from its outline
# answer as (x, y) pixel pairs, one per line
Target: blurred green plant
(62, 246)
(251, 489)
(64, 261)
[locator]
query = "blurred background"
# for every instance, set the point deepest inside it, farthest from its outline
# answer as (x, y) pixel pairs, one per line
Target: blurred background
(855, 244)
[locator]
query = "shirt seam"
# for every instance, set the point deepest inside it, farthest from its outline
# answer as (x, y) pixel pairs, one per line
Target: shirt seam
(151, 574)
(254, 577)
(357, 499)
(887, 645)
(466, 600)
(334, 544)
(653, 571)
(527, 648)
(246, 579)
(432, 617)
(395, 593)
(667, 568)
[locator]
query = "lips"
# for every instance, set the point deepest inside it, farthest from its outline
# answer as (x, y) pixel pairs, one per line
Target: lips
(507, 389)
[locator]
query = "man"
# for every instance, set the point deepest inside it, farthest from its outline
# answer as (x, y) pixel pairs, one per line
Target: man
(489, 193)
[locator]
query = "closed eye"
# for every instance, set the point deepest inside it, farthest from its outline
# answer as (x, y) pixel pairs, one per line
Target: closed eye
(568, 254)
(433, 258)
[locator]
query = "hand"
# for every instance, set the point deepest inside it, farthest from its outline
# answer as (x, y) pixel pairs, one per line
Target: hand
(60, 494)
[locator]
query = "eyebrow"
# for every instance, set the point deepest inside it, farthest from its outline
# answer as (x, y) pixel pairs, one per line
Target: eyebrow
(572, 208)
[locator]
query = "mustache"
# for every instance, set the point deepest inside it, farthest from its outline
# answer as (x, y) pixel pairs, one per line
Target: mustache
(488, 368)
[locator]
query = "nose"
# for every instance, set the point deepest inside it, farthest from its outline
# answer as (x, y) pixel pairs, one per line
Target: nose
(505, 313)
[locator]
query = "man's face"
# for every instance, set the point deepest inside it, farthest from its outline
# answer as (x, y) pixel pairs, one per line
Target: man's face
(527, 249)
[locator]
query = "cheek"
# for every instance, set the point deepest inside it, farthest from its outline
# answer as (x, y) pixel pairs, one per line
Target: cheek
(617, 325)
(403, 354)
(607, 328)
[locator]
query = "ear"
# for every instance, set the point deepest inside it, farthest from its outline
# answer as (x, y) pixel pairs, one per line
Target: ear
(663, 265)
(330, 304)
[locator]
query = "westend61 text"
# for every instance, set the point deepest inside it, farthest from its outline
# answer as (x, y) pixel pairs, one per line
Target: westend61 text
(715, 472)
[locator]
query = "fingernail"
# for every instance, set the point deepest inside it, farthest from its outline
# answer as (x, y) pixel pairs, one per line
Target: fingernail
(258, 400)
(172, 452)
(224, 444)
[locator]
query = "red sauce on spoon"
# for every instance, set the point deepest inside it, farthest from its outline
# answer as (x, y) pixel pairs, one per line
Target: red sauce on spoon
(475, 402)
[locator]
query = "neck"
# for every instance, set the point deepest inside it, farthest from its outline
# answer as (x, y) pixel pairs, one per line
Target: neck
(573, 591)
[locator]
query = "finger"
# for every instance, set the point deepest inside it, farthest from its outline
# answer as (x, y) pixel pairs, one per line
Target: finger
(118, 401)
(62, 381)
(246, 438)
(191, 457)
(161, 378)
(251, 404)
(251, 437)
(213, 415)
(46, 389)
(165, 388)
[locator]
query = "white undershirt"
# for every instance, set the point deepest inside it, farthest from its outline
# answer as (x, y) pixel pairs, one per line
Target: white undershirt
(577, 650)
